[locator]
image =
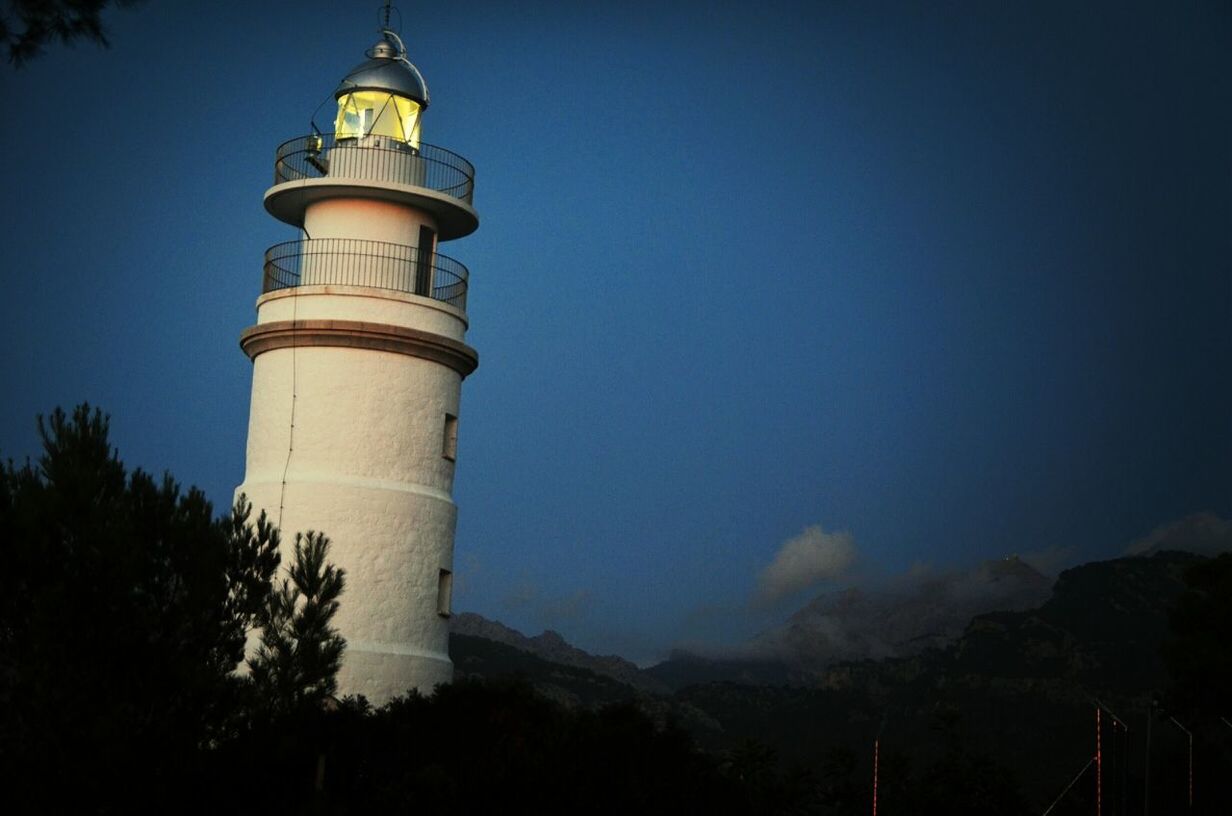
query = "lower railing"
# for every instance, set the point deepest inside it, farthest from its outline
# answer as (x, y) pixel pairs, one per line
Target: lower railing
(356, 262)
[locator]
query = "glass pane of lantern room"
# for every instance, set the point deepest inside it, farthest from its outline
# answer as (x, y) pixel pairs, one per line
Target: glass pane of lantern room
(408, 119)
(346, 124)
(365, 113)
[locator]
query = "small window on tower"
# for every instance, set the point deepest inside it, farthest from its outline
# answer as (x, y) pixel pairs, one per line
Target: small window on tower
(449, 445)
(444, 594)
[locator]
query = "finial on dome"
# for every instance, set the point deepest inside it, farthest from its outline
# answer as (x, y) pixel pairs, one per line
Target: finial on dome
(384, 49)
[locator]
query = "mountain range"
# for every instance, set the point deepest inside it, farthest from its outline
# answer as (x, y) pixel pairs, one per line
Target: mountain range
(924, 610)
(1019, 679)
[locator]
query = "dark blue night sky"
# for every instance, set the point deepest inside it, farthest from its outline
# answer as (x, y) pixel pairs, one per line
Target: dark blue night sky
(955, 278)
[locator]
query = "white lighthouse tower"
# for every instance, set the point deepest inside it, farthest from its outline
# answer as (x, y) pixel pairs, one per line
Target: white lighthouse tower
(358, 361)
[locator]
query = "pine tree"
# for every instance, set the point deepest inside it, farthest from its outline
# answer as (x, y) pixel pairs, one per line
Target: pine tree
(27, 26)
(299, 655)
(125, 610)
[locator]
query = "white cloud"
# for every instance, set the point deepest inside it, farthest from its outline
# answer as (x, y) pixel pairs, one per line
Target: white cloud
(1202, 533)
(805, 560)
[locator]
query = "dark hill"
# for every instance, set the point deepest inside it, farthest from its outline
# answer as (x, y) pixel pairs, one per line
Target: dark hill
(683, 669)
(479, 658)
(552, 647)
(926, 611)
(1101, 630)
(1017, 687)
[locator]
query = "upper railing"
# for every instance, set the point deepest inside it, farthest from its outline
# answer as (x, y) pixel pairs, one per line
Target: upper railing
(355, 262)
(376, 158)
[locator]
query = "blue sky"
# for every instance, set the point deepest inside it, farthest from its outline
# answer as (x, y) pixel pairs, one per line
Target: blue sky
(955, 280)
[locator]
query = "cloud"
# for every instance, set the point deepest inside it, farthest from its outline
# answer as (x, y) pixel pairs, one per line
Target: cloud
(803, 561)
(568, 607)
(1050, 560)
(549, 610)
(1202, 533)
(521, 596)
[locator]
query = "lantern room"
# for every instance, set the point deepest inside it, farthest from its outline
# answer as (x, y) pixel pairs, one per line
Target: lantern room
(383, 96)
(375, 154)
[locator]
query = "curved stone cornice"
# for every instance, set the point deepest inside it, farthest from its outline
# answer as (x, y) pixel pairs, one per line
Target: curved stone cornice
(288, 200)
(279, 334)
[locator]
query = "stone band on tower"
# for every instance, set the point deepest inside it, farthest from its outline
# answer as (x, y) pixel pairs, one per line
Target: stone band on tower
(358, 361)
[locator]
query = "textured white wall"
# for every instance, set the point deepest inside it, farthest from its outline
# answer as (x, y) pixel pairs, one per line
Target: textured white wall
(366, 468)
(367, 220)
(363, 304)
(392, 542)
(358, 412)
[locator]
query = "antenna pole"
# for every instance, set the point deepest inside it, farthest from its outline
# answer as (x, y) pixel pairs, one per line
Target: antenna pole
(1090, 762)
(1146, 793)
(1188, 734)
(1099, 766)
(876, 764)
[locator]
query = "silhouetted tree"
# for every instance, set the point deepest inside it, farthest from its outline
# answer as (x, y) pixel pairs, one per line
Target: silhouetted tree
(297, 661)
(482, 747)
(125, 608)
(26, 26)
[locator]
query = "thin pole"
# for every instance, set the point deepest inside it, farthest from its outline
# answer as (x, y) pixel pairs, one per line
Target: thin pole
(1189, 734)
(1118, 776)
(1191, 771)
(876, 764)
(1067, 787)
(1120, 757)
(1123, 769)
(1146, 794)
(1099, 767)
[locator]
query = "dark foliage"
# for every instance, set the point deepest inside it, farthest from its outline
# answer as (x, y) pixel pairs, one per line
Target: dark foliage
(27, 26)
(299, 655)
(1199, 652)
(482, 747)
(125, 608)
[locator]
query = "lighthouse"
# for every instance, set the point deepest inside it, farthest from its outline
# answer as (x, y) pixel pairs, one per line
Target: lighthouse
(358, 356)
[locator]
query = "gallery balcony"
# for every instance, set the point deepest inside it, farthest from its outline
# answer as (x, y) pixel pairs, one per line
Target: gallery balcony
(320, 166)
(374, 264)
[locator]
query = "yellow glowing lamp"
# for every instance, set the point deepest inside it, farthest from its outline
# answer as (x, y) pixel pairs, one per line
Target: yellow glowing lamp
(373, 113)
(384, 96)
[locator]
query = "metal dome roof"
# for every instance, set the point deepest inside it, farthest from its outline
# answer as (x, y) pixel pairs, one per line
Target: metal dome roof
(386, 70)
